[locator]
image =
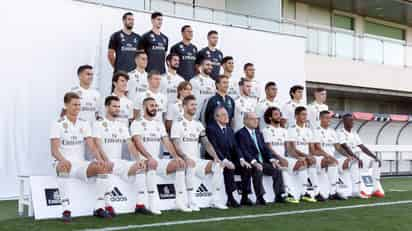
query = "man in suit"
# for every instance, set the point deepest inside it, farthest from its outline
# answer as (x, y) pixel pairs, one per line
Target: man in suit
(262, 160)
(222, 137)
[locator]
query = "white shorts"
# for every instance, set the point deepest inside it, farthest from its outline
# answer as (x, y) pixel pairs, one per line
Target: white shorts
(78, 169)
(121, 168)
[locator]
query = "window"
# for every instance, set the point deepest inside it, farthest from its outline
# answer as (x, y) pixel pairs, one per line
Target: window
(343, 22)
(384, 30)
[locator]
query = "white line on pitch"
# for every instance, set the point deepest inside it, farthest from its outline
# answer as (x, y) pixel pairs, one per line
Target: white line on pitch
(217, 219)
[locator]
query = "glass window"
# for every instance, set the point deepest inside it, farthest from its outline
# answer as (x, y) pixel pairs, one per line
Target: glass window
(343, 22)
(384, 30)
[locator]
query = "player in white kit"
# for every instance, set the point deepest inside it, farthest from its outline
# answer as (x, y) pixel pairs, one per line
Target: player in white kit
(335, 159)
(228, 66)
(203, 86)
(148, 134)
(153, 91)
(270, 100)
(186, 134)
(119, 89)
(317, 106)
(245, 103)
(138, 77)
(68, 137)
(288, 109)
(275, 138)
(170, 80)
(249, 70)
(89, 97)
(299, 139)
(175, 110)
(351, 142)
(328, 141)
(110, 135)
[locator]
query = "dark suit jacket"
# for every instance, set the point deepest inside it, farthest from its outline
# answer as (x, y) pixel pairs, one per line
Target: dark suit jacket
(224, 144)
(248, 148)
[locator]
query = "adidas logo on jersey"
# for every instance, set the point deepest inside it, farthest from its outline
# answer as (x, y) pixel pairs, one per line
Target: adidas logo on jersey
(202, 191)
(116, 195)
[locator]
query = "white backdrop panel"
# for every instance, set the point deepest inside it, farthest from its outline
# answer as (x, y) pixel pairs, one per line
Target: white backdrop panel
(45, 41)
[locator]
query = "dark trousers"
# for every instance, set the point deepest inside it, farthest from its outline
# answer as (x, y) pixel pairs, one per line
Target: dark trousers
(229, 179)
(276, 174)
(246, 174)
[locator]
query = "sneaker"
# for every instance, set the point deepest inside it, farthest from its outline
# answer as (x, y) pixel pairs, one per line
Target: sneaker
(378, 194)
(320, 198)
(155, 211)
(67, 216)
(101, 213)
(364, 195)
(182, 208)
(193, 206)
(110, 210)
(291, 200)
(308, 198)
(337, 196)
(219, 206)
(142, 210)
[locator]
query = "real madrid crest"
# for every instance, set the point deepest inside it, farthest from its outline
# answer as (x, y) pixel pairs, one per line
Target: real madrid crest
(65, 126)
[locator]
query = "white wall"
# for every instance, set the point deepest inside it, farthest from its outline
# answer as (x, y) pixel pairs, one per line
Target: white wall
(47, 40)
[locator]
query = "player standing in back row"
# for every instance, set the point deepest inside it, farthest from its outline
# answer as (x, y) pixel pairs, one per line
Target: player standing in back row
(212, 53)
(155, 44)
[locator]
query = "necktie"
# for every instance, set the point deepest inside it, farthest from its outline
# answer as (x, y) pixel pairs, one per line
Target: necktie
(254, 138)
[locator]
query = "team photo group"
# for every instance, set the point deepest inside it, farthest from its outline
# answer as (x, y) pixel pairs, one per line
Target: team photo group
(179, 112)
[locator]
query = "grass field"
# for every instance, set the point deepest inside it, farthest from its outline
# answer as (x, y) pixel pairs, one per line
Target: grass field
(383, 217)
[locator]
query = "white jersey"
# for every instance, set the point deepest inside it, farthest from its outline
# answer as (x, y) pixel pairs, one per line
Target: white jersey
(351, 138)
(202, 88)
(151, 133)
(233, 90)
(126, 110)
(313, 113)
(160, 99)
(137, 83)
(112, 134)
(71, 137)
(175, 111)
(276, 137)
(242, 105)
(327, 139)
(168, 86)
(189, 131)
(288, 111)
(256, 89)
(302, 136)
(261, 107)
(90, 103)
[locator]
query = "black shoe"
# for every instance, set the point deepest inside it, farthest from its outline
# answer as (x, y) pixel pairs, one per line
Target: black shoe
(101, 213)
(141, 209)
(260, 201)
(67, 216)
(232, 203)
(320, 198)
(280, 200)
(246, 201)
(336, 196)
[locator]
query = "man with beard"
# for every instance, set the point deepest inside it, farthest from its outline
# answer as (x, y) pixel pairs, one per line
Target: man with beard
(123, 46)
(155, 44)
(271, 91)
(245, 103)
(109, 136)
(148, 134)
(228, 66)
(170, 80)
(187, 53)
(152, 91)
(186, 134)
(203, 86)
(212, 53)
